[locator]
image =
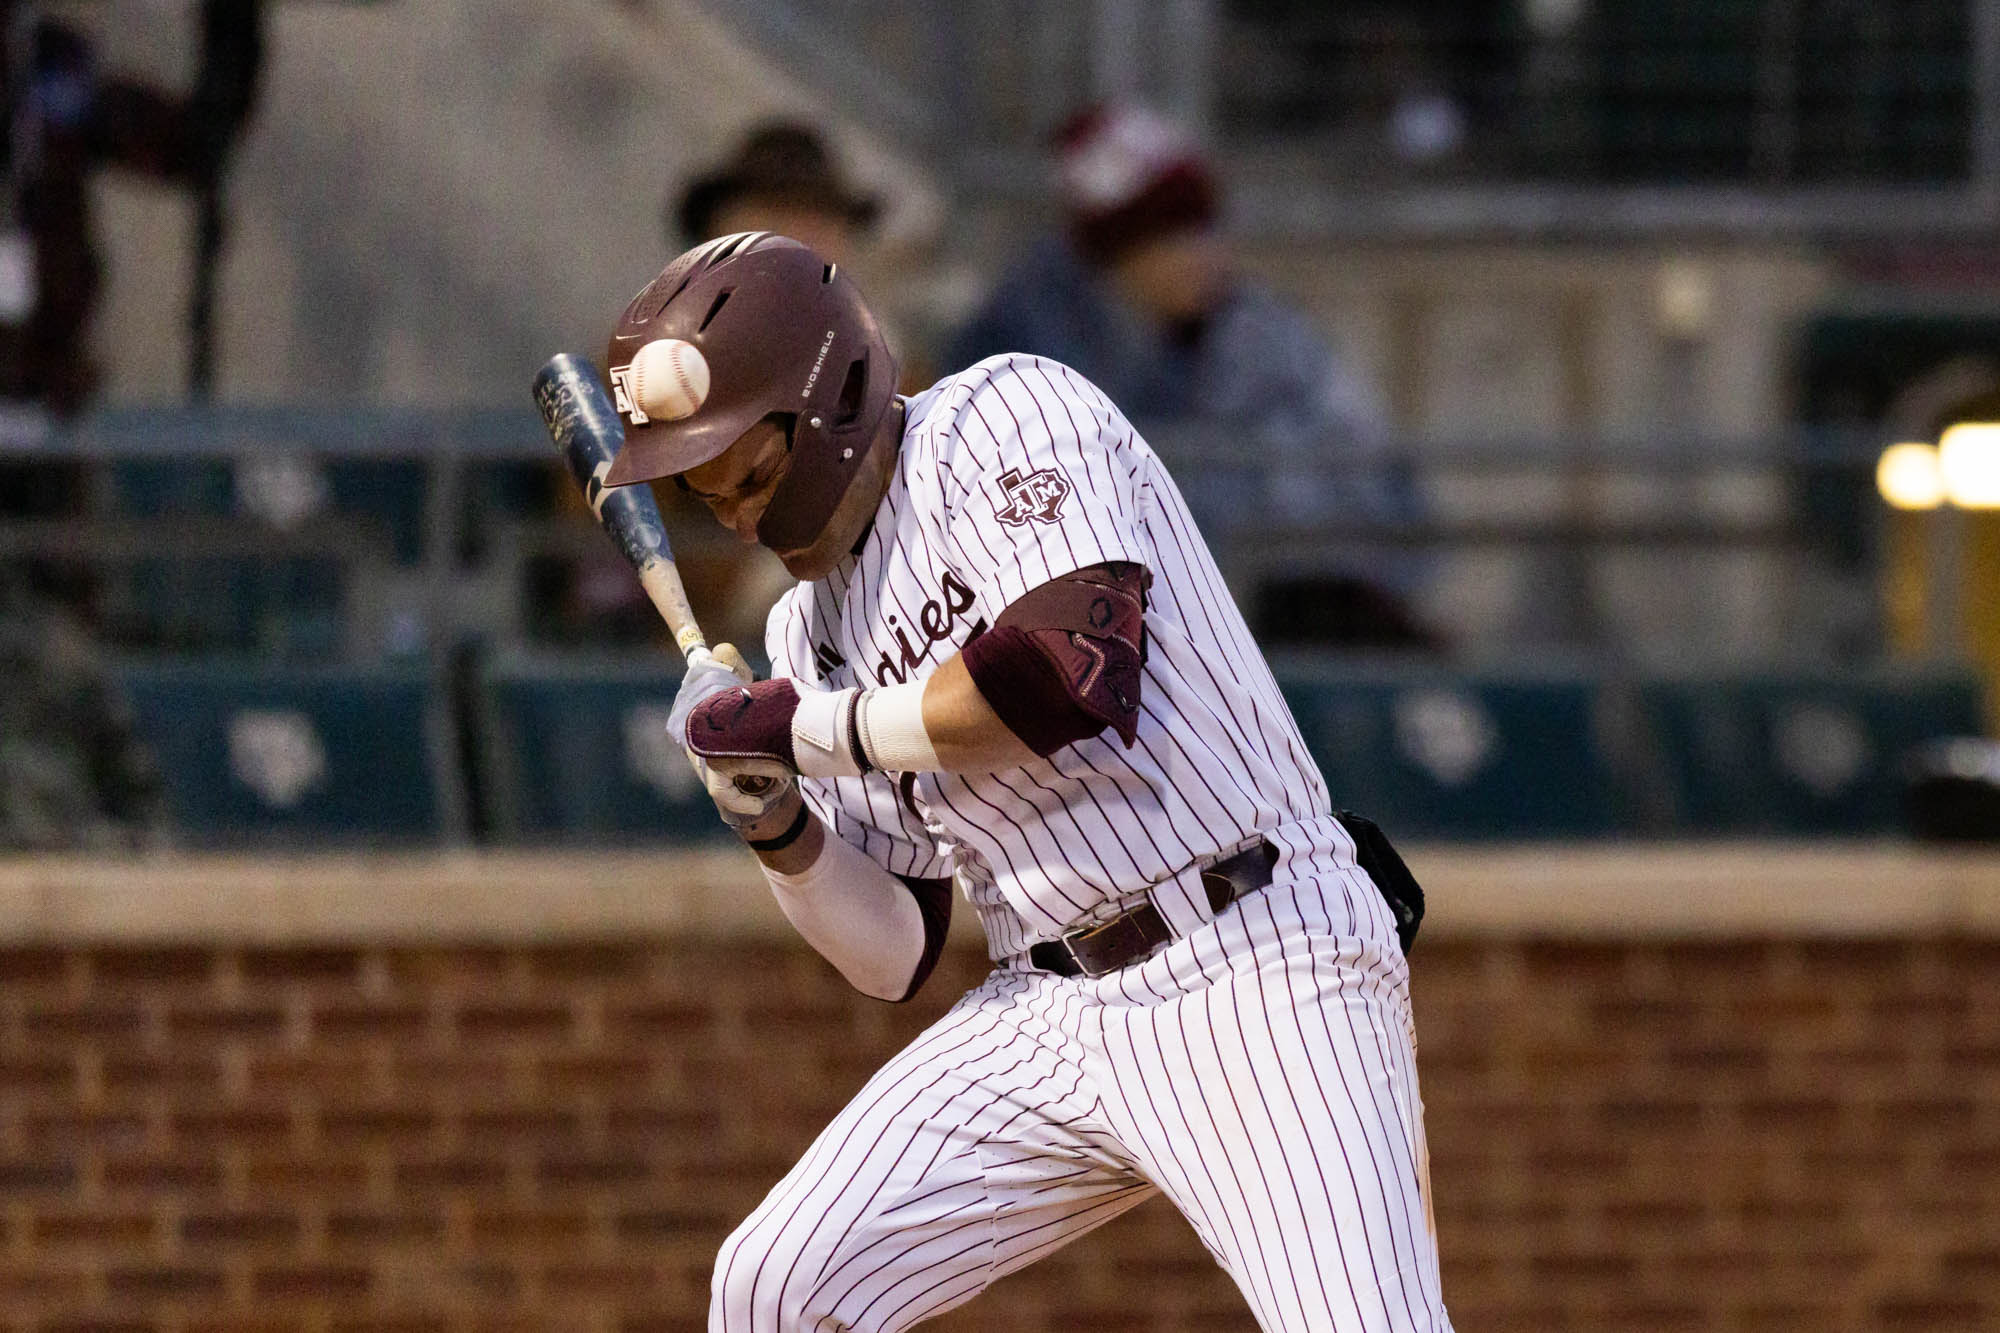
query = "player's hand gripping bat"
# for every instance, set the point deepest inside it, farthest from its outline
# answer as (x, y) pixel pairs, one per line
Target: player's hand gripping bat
(587, 433)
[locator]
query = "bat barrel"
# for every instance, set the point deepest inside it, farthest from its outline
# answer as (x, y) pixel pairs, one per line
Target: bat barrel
(581, 421)
(584, 426)
(585, 429)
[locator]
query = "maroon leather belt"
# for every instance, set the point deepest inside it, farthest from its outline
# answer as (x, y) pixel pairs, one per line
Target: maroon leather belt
(1094, 951)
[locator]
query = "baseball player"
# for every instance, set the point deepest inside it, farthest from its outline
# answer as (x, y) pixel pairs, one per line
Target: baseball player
(1010, 665)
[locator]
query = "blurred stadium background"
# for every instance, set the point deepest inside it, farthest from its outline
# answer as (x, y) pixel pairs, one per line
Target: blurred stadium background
(369, 961)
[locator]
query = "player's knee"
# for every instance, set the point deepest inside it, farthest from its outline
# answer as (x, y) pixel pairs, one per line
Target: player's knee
(756, 1288)
(761, 1287)
(742, 1296)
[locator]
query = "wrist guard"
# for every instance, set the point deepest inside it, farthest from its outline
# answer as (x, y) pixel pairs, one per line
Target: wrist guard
(811, 732)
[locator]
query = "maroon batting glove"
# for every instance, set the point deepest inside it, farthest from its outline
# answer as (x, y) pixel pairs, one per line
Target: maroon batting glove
(750, 722)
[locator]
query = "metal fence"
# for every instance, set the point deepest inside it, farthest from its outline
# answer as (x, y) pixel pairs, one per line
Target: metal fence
(364, 660)
(1764, 93)
(308, 534)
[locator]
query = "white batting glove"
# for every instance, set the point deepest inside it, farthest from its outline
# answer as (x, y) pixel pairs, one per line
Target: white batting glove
(708, 675)
(741, 808)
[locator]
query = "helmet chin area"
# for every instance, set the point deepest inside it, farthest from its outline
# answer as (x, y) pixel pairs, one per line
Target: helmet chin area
(784, 538)
(847, 517)
(810, 494)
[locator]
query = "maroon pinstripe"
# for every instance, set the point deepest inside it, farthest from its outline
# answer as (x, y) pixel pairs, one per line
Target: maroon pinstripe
(1259, 1070)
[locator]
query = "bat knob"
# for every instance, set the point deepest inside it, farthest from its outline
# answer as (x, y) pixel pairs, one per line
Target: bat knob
(754, 784)
(727, 654)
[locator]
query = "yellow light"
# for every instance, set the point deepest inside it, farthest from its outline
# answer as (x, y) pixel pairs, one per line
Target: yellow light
(1969, 463)
(1908, 477)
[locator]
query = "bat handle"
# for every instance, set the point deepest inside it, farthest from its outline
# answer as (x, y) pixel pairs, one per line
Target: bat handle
(662, 583)
(664, 587)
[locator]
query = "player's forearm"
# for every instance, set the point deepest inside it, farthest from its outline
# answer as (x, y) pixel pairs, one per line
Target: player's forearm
(943, 724)
(855, 914)
(1062, 663)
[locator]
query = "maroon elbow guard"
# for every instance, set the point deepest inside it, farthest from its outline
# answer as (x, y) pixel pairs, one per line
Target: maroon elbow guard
(1064, 662)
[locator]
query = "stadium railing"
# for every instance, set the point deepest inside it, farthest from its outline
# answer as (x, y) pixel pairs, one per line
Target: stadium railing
(429, 714)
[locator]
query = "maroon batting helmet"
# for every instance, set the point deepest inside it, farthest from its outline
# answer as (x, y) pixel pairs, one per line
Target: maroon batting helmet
(784, 333)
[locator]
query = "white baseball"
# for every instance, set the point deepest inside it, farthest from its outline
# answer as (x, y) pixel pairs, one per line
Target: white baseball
(669, 378)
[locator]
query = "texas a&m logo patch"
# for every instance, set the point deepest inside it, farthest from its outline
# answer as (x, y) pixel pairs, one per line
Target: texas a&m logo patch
(1038, 496)
(623, 397)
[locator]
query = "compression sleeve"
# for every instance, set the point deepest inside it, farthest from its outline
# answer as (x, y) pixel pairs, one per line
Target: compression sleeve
(874, 927)
(934, 901)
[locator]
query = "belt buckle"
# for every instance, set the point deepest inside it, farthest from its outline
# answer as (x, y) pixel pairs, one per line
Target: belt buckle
(1218, 880)
(1069, 940)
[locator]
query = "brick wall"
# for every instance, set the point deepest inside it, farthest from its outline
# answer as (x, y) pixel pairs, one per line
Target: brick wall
(1639, 1136)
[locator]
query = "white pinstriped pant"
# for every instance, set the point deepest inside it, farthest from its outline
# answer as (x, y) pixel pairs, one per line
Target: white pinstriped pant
(1261, 1072)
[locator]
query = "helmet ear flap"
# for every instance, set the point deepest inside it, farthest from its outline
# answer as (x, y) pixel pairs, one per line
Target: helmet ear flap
(853, 394)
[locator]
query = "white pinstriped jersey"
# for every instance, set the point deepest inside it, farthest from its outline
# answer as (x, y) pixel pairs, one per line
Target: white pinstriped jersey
(1259, 1069)
(1014, 472)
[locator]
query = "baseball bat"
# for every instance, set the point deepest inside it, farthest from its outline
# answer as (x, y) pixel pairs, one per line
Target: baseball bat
(587, 433)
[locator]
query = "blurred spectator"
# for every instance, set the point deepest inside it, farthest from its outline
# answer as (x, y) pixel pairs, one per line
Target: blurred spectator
(783, 178)
(1141, 294)
(72, 773)
(65, 121)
